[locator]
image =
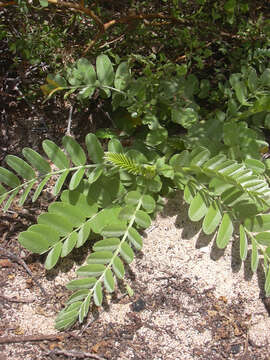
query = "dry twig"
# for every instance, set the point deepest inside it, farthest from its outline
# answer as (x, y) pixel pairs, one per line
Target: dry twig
(75, 354)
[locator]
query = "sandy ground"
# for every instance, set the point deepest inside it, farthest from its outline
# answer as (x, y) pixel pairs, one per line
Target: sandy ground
(191, 301)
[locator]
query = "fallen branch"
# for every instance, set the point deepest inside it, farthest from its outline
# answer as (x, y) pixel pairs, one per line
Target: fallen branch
(75, 354)
(26, 301)
(18, 339)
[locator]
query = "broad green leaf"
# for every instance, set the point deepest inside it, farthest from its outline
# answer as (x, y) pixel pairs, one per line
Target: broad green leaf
(156, 136)
(118, 268)
(91, 270)
(231, 196)
(86, 71)
(64, 323)
(115, 146)
(99, 257)
(26, 192)
(133, 198)
(106, 245)
(76, 178)
(198, 207)
(255, 165)
(104, 69)
(225, 232)
(2, 189)
(243, 243)
(98, 296)
(185, 117)
(252, 79)
(263, 238)
(74, 150)
(40, 187)
(265, 77)
(109, 281)
(86, 205)
(212, 219)
(58, 223)
(36, 161)
(127, 213)
(114, 230)
(84, 308)
(258, 223)
(189, 192)
(267, 283)
(148, 203)
(95, 174)
(77, 296)
(69, 244)
(178, 161)
(33, 242)
(60, 182)
(53, 256)
(94, 148)
(241, 92)
(55, 154)
(103, 218)
(85, 283)
(126, 252)
(3, 198)
(20, 167)
(46, 231)
(83, 234)
(70, 212)
(135, 238)
(142, 219)
(254, 256)
(122, 76)
(8, 178)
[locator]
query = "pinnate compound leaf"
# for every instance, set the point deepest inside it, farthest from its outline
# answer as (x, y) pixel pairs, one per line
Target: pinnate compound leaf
(53, 256)
(57, 223)
(109, 281)
(60, 182)
(122, 76)
(95, 174)
(40, 187)
(198, 207)
(115, 146)
(67, 317)
(99, 257)
(20, 167)
(199, 156)
(126, 252)
(36, 161)
(126, 213)
(254, 256)
(98, 296)
(243, 243)
(74, 150)
(225, 232)
(110, 244)
(84, 308)
(189, 192)
(94, 148)
(255, 165)
(10, 199)
(33, 242)
(69, 244)
(258, 223)
(142, 219)
(118, 268)
(49, 234)
(212, 218)
(55, 154)
(76, 178)
(85, 283)
(135, 238)
(8, 178)
(83, 234)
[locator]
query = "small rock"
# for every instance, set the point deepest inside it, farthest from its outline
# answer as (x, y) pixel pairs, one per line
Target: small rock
(259, 334)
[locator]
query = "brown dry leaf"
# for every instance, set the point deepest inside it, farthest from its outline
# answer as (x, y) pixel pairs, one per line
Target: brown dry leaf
(5, 263)
(19, 331)
(98, 345)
